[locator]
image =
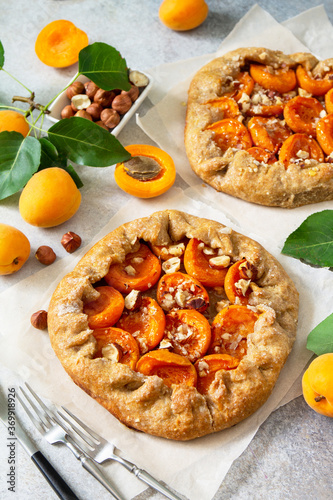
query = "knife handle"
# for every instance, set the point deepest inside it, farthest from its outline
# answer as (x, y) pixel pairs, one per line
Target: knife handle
(53, 478)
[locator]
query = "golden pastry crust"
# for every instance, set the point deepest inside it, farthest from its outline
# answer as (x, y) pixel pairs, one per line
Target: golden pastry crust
(236, 172)
(145, 402)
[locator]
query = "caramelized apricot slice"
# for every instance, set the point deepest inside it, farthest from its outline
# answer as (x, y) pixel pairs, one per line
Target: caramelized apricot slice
(170, 367)
(123, 342)
(302, 114)
(188, 333)
(312, 85)
(329, 101)
(325, 133)
(230, 133)
(282, 80)
(237, 281)
(166, 252)
(139, 271)
(227, 105)
(198, 263)
(298, 148)
(145, 323)
(268, 133)
(106, 309)
(262, 155)
(209, 365)
(243, 85)
(230, 329)
(181, 291)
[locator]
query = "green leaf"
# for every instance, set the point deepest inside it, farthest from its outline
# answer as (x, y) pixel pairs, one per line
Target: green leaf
(320, 339)
(105, 66)
(313, 240)
(51, 158)
(86, 143)
(2, 55)
(70, 169)
(19, 160)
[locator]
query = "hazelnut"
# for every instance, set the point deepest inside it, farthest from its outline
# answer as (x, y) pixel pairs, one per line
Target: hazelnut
(133, 93)
(138, 78)
(67, 112)
(91, 89)
(110, 118)
(80, 101)
(45, 255)
(122, 103)
(104, 97)
(95, 110)
(74, 89)
(71, 241)
(82, 113)
(101, 124)
(39, 320)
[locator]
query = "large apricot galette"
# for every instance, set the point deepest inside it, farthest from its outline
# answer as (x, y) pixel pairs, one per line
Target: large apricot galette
(178, 325)
(259, 126)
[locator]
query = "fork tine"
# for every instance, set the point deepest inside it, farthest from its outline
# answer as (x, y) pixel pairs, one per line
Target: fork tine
(41, 403)
(33, 405)
(87, 429)
(37, 423)
(72, 430)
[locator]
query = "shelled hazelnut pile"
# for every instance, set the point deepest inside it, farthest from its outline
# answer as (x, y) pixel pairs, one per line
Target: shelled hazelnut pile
(105, 107)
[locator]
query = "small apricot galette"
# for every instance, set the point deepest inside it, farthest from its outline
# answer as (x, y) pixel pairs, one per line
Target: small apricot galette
(259, 126)
(178, 325)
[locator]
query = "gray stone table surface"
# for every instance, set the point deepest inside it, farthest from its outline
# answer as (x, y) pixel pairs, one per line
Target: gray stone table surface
(291, 455)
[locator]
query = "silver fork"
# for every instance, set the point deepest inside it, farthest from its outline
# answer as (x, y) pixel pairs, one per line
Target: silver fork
(50, 427)
(100, 450)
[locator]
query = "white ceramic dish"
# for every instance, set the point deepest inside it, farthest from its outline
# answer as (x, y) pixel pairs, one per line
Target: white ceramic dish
(62, 100)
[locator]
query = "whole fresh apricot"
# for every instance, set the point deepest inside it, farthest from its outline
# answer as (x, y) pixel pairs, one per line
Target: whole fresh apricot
(14, 249)
(317, 384)
(183, 15)
(12, 121)
(49, 198)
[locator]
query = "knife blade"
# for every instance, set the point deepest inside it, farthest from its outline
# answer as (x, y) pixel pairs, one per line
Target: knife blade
(54, 479)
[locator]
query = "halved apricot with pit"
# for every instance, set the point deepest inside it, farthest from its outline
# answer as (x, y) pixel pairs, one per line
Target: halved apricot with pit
(230, 133)
(298, 148)
(268, 133)
(139, 271)
(312, 85)
(106, 309)
(208, 366)
(230, 329)
(281, 79)
(302, 114)
(170, 367)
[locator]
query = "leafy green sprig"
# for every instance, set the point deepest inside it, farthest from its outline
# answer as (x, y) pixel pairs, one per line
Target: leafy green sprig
(312, 242)
(76, 140)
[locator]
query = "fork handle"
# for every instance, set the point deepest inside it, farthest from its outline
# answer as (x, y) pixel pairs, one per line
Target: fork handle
(95, 471)
(53, 478)
(156, 485)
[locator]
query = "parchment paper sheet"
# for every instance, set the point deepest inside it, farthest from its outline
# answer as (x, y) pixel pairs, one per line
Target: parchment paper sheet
(195, 469)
